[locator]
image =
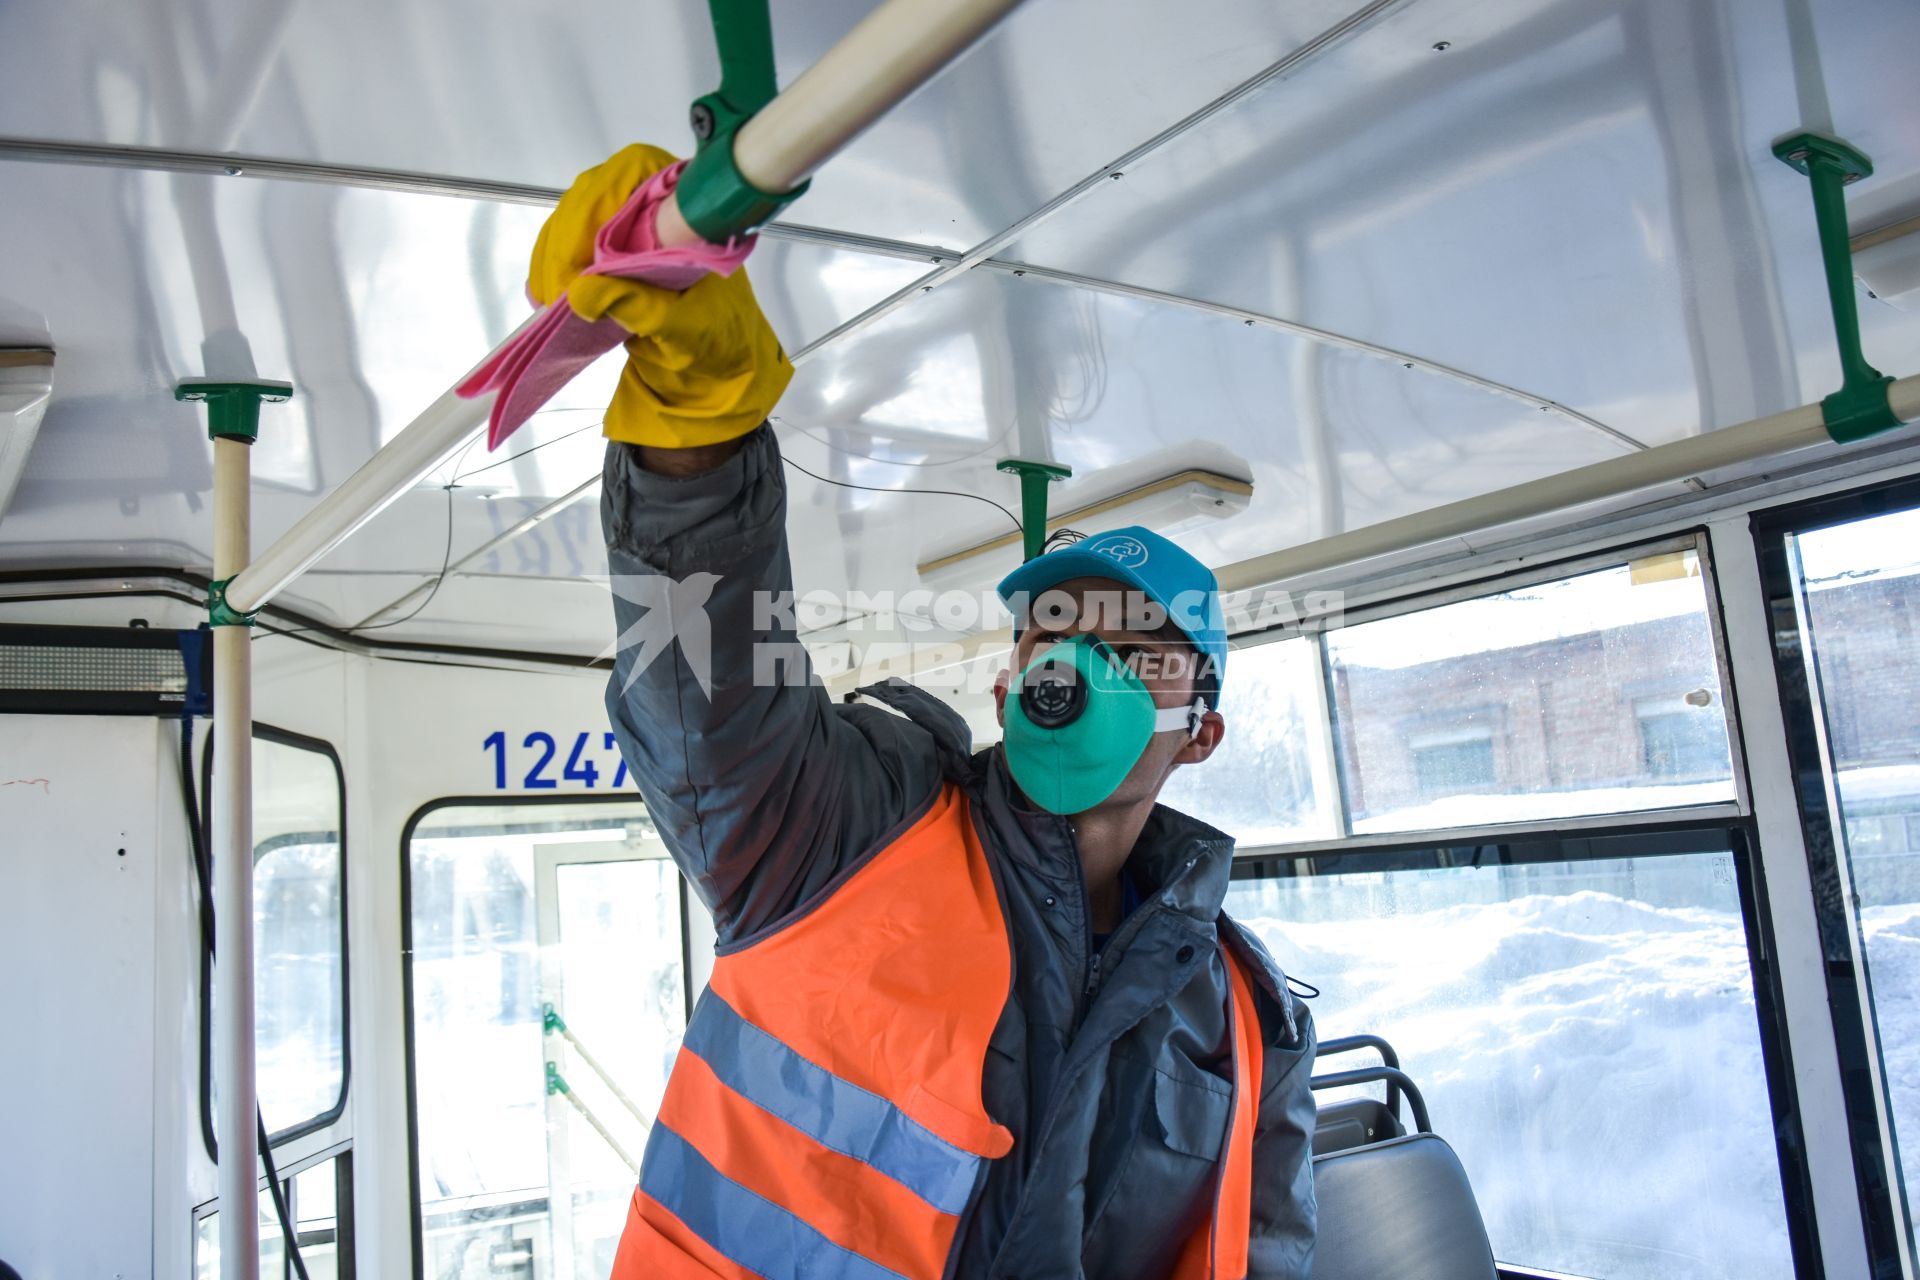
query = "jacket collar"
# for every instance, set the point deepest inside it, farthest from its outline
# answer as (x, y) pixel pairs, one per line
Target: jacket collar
(1179, 860)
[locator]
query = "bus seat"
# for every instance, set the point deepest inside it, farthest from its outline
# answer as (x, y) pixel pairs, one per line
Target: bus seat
(1398, 1210)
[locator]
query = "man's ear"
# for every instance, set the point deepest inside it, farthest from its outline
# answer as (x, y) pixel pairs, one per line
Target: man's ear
(1213, 731)
(1001, 683)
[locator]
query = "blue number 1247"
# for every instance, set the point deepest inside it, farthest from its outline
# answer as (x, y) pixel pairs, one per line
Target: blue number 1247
(579, 766)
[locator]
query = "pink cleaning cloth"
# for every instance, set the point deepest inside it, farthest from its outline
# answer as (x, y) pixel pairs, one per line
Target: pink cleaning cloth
(550, 352)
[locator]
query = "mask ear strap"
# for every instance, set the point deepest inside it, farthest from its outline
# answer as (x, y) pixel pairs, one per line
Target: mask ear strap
(1187, 717)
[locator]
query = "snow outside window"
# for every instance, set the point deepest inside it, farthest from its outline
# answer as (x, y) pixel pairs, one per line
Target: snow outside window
(1859, 595)
(1584, 1032)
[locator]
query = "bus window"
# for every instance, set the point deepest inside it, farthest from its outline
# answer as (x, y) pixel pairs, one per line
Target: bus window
(299, 939)
(1581, 1017)
(1857, 606)
(1596, 693)
(1271, 780)
(319, 1198)
(1592, 694)
(546, 1000)
(206, 1243)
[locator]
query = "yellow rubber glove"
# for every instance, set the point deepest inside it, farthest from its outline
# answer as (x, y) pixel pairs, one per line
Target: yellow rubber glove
(703, 364)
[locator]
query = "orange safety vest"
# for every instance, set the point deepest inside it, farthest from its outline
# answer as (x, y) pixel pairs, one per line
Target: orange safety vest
(824, 1116)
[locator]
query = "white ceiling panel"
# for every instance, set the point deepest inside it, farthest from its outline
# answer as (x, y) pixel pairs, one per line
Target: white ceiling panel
(1574, 198)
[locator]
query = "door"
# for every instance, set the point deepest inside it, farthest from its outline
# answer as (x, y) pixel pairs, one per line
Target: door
(613, 995)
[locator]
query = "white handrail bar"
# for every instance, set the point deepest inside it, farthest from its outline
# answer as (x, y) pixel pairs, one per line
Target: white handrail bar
(1616, 477)
(1728, 446)
(894, 50)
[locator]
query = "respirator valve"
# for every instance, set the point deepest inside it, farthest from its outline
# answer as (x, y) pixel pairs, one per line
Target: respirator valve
(1053, 694)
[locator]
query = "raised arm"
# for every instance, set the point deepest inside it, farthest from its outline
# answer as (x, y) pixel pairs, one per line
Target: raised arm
(763, 789)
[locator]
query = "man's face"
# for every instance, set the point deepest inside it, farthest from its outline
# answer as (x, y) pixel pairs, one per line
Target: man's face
(1169, 668)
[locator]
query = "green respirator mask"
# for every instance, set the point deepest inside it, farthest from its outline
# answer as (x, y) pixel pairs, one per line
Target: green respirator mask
(1077, 722)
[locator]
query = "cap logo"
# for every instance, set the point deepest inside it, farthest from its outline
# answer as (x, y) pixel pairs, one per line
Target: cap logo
(1127, 552)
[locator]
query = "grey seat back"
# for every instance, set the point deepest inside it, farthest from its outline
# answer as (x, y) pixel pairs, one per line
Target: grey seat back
(1353, 1122)
(1398, 1210)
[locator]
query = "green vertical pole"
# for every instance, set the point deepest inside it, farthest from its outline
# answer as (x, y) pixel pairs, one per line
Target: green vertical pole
(1034, 479)
(1861, 407)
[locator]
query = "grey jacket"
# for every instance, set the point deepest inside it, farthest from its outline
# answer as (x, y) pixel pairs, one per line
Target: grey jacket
(1112, 1070)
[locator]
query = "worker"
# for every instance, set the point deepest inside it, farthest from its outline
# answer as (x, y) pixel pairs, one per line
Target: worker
(972, 1013)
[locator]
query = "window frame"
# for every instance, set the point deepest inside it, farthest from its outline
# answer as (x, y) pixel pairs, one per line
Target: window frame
(280, 1137)
(1495, 580)
(416, 1239)
(1682, 833)
(343, 1231)
(1878, 1181)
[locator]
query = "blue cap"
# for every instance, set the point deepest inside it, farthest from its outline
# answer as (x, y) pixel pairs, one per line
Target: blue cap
(1141, 559)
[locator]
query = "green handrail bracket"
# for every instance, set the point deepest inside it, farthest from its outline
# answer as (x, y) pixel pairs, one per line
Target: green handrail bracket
(222, 614)
(556, 1083)
(1861, 407)
(233, 413)
(715, 197)
(550, 1020)
(233, 408)
(1034, 479)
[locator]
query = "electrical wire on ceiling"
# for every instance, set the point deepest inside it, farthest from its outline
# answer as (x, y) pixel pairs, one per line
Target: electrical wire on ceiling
(446, 562)
(1087, 356)
(446, 558)
(876, 488)
(464, 475)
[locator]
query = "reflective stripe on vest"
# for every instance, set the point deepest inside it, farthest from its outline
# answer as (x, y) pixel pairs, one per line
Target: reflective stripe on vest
(824, 1117)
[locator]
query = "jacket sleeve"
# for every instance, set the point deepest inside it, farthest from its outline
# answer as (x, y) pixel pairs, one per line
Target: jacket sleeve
(762, 789)
(1282, 1225)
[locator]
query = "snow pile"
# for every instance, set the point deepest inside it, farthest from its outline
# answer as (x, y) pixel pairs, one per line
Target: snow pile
(1893, 966)
(1594, 1060)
